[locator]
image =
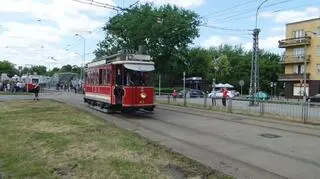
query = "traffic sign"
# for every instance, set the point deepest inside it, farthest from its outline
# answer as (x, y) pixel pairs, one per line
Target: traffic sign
(241, 82)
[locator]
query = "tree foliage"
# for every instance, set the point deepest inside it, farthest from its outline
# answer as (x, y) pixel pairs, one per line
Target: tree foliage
(7, 67)
(228, 64)
(39, 70)
(164, 32)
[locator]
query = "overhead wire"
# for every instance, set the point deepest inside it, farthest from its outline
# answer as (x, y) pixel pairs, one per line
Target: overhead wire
(225, 10)
(294, 7)
(252, 10)
(224, 28)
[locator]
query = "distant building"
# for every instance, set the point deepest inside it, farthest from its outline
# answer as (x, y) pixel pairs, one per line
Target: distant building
(302, 46)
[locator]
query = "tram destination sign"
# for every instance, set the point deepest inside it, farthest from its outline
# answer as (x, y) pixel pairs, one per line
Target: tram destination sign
(138, 57)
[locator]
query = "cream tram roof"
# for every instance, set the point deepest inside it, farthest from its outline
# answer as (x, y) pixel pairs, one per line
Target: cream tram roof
(132, 61)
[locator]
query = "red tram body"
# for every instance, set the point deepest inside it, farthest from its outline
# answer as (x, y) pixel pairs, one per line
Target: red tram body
(119, 82)
(29, 82)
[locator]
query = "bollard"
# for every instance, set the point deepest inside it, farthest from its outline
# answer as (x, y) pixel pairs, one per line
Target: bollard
(185, 100)
(230, 105)
(302, 112)
(306, 111)
(205, 101)
(262, 108)
(168, 99)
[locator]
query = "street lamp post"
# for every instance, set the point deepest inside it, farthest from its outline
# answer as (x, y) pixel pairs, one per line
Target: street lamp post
(84, 55)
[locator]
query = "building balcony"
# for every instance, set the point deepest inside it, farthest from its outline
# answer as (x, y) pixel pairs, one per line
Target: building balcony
(293, 77)
(294, 42)
(293, 59)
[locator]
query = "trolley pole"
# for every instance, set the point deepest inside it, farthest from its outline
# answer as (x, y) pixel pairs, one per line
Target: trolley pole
(184, 89)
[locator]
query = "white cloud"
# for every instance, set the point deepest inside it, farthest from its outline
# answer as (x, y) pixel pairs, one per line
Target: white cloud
(278, 29)
(266, 14)
(218, 40)
(181, 3)
(59, 19)
(293, 16)
(269, 44)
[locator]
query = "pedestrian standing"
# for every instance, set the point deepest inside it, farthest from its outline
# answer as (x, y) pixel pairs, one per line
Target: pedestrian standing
(224, 96)
(36, 91)
(213, 98)
(174, 95)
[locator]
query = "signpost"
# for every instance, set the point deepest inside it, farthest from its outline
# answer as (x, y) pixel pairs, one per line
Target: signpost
(241, 83)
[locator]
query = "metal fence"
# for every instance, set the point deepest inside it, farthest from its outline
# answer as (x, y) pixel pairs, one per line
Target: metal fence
(306, 112)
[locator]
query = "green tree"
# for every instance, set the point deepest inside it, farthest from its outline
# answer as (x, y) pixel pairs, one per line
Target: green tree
(39, 69)
(7, 67)
(53, 71)
(164, 32)
(25, 70)
(76, 69)
(198, 62)
(66, 68)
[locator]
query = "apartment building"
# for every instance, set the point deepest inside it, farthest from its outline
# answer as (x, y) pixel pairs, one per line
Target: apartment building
(302, 55)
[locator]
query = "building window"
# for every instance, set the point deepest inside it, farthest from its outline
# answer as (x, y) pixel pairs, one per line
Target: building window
(298, 52)
(318, 68)
(298, 69)
(298, 33)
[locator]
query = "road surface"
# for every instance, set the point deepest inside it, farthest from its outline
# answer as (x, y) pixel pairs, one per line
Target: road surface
(285, 110)
(236, 145)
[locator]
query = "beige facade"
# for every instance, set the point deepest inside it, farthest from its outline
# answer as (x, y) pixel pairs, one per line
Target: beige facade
(301, 44)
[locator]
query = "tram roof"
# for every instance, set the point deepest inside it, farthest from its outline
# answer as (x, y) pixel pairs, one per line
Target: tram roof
(120, 58)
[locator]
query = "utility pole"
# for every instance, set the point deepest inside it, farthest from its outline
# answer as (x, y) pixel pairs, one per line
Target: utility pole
(254, 76)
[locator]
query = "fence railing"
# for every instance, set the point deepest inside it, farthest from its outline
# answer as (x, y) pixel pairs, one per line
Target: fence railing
(303, 111)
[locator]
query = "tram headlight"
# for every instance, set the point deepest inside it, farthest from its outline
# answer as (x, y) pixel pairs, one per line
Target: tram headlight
(143, 95)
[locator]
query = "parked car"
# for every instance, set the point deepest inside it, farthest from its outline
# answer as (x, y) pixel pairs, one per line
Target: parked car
(219, 94)
(314, 99)
(192, 93)
(259, 96)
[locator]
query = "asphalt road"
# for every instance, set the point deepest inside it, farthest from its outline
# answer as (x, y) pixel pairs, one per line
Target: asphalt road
(284, 110)
(230, 143)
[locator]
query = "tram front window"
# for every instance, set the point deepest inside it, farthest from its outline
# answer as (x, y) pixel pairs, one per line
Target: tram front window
(136, 78)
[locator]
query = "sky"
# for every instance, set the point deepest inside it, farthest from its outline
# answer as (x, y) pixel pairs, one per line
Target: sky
(42, 32)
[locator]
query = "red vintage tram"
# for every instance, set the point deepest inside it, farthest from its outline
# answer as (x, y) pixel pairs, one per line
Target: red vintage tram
(120, 82)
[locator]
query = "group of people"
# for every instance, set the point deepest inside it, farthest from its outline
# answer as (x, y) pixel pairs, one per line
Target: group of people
(12, 87)
(67, 87)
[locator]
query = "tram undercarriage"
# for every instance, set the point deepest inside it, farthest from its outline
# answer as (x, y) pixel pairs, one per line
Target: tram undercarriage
(108, 108)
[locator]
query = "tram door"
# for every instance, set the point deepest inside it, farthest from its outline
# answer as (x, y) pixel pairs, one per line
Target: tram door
(118, 91)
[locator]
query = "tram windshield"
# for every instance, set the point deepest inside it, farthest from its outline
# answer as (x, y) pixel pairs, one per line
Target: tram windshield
(136, 78)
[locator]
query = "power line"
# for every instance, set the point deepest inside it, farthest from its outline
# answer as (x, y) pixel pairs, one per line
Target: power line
(229, 8)
(98, 4)
(224, 28)
(230, 18)
(294, 7)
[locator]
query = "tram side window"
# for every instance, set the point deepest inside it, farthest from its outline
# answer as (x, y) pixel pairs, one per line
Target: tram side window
(104, 77)
(96, 77)
(101, 75)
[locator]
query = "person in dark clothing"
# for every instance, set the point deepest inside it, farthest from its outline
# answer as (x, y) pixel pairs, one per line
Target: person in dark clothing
(36, 91)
